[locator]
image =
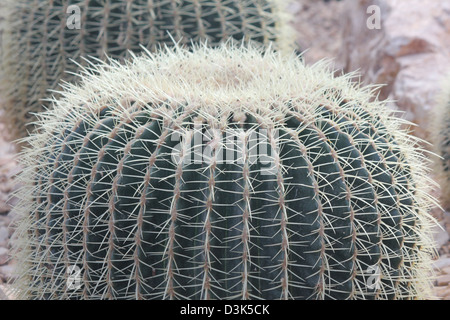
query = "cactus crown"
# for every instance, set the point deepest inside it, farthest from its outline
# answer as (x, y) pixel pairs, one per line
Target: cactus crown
(338, 212)
(40, 38)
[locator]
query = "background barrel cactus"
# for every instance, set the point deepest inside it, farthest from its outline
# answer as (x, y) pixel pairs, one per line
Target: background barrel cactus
(440, 137)
(299, 186)
(41, 36)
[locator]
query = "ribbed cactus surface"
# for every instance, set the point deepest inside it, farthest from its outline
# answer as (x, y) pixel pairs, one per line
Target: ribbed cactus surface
(222, 174)
(41, 36)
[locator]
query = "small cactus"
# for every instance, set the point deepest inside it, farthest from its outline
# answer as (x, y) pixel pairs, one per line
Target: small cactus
(440, 137)
(41, 36)
(299, 187)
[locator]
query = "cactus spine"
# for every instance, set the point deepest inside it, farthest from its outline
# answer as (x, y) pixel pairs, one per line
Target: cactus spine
(338, 210)
(41, 37)
(440, 137)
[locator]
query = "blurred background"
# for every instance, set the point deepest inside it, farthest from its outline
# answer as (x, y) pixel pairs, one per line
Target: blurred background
(402, 44)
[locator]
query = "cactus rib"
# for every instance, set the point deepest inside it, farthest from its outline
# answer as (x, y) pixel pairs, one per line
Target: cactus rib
(326, 197)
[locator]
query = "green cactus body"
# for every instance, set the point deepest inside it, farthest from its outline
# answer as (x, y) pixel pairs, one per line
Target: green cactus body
(41, 37)
(320, 196)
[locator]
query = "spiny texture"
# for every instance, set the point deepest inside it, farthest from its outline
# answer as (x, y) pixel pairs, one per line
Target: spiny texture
(41, 36)
(440, 137)
(319, 195)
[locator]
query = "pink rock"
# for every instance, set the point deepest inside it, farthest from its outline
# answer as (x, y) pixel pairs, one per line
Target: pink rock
(4, 256)
(318, 29)
(6, 272)
(443, 280)
(441, 263)
(410, 53)
(4, 234)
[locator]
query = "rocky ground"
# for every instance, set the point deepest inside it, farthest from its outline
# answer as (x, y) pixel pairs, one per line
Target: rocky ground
(399, 55)
(319, 30)
(8, 169)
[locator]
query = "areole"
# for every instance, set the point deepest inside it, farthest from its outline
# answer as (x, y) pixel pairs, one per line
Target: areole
(343, 215)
